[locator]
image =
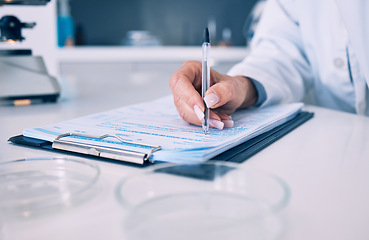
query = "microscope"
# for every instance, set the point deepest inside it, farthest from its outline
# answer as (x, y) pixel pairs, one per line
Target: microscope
(24, 78)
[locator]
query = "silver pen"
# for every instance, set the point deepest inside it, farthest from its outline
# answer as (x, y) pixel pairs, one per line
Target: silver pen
(205, 77)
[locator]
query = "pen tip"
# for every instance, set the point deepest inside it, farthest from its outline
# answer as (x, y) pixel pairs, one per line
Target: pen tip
(206, 35)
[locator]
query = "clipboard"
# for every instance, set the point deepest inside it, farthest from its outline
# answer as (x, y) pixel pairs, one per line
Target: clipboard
(236, 154)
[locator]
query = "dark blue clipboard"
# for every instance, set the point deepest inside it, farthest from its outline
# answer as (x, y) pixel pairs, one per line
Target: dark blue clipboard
(236, 154)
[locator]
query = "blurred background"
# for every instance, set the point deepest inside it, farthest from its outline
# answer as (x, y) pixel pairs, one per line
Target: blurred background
(173, 23)
(132, 45)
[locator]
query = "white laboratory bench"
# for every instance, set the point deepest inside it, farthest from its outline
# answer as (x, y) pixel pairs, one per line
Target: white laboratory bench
(146, 54)
(325, 163)
(143, 59)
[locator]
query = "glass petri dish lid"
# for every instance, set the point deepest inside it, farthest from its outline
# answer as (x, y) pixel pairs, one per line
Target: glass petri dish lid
(30, 187)
(211, 200)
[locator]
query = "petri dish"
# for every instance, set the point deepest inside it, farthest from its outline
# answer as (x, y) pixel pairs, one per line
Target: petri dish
(212, 200)
(32, 187)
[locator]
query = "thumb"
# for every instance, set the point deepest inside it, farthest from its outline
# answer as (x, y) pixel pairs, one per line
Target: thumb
(220, 94)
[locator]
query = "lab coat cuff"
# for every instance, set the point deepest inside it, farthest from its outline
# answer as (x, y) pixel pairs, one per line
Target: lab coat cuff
(261, 93)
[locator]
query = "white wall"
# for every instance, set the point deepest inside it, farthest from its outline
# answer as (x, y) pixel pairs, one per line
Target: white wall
(42, 39)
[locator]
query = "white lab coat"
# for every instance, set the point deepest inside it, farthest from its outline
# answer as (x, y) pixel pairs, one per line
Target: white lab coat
(317, 49)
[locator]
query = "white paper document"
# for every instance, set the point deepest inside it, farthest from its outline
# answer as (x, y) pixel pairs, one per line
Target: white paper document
(158, 123)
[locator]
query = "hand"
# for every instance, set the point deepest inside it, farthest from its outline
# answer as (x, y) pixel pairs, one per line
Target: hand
(226, 95)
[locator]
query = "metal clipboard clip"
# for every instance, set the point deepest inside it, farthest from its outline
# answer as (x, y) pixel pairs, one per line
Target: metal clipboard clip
(105, 152)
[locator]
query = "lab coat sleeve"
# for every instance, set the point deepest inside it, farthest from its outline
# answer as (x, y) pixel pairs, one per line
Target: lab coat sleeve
(277, 59)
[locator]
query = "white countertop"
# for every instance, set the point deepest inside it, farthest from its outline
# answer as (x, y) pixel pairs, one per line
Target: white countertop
(325, 163)
(147, 54)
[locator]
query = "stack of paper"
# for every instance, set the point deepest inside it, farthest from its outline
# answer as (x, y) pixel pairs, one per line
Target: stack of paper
(158, 123)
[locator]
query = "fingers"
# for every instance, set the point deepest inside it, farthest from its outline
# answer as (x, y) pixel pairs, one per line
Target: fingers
(220, 120)
(224, 97)
(189, 72)
(220, 94)
(226, 120)
(185, 95)
(230, 93)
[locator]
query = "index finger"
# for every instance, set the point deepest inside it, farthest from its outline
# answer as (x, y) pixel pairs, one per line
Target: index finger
(184, 84)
